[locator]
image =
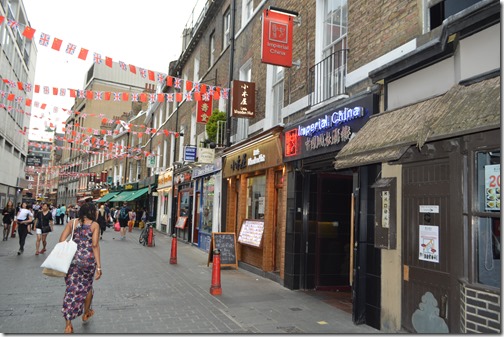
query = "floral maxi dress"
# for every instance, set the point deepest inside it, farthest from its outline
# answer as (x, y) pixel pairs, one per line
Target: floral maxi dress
(79, 280)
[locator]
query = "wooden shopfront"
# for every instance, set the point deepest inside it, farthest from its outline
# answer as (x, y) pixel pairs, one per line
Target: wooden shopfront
(253, 174)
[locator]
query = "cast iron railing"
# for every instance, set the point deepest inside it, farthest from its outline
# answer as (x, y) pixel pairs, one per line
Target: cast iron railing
(327, 78)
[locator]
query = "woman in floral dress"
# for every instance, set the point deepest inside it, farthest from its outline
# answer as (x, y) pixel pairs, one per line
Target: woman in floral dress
(79, 280)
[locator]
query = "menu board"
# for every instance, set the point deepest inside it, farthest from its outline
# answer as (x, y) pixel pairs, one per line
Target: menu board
(251, 233)
(492, 187)
(225, 242)
(181, 222)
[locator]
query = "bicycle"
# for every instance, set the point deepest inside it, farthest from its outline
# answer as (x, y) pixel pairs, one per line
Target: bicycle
(144, 234)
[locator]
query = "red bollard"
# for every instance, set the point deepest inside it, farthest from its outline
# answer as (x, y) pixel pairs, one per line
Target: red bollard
(150, 236)
(216, 289)
(173, 257)
(14, 227)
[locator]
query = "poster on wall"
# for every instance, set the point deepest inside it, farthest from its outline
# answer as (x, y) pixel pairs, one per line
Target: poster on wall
(429, 243)
(492, 187)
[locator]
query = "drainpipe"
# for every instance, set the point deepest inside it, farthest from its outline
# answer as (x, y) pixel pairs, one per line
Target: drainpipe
(231, 68)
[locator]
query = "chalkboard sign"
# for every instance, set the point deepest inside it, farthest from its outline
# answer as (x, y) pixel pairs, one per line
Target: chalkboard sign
(251, 233)
(181, 222)
(226, 243)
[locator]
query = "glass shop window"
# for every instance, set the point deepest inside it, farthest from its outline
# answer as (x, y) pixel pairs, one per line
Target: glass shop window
(256, 197)
(208, 203)
(184, 203)
(488, 227)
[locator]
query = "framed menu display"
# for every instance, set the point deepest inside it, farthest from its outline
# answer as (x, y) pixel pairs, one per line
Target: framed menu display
(181, 222)
(251, 232)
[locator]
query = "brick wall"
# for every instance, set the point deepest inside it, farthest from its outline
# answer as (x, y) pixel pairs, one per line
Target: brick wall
(480, 310)
(376, 27)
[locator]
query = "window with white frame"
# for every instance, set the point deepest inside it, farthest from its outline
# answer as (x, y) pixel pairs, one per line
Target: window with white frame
(247, 10)
(330, 71)
(196, 69)
(243, 123)
(226, 28)
(439, 10)
(211, 50)
(278, 94)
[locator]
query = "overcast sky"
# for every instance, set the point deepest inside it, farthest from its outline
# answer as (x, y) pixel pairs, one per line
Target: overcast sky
(146, 34)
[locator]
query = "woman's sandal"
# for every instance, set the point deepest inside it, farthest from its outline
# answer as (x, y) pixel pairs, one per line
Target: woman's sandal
(69, 329)
(87, 316)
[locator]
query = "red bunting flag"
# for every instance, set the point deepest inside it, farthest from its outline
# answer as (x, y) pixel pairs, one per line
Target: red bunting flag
(20, 85)
(203, 88)
(188, 85)
(89, 94)
(132, 68)
(151, 75)
(56, 45)
(107, 95)
(43, 106)
(2, 18)
(197, 96)
(28, 32)
(178, 97)
(160, 97)
(28, 102)
(83, 54)
(37, 88)
(10, 97)
(143, 97)
(55, 91)
(216, 94)
(125, 96)
(169, 81)
(73, 93)
(108, 61)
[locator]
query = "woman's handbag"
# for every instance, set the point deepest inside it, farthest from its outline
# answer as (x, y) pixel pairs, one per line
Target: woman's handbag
(46, 229)
(61, 256)
(117, 227)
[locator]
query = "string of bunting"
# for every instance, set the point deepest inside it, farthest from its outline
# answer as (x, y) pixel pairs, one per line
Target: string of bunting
(56, 44)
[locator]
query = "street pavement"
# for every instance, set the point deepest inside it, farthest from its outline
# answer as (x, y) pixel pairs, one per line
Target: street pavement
(141, 292)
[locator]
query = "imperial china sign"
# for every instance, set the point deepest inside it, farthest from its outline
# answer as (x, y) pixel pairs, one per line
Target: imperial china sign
(328, 131)
(276, 47)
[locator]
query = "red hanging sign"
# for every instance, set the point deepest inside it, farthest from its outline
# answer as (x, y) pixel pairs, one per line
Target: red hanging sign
(276, 46)
(203, 111)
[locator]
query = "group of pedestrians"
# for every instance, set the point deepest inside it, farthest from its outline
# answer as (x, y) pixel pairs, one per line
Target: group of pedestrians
(86, 265)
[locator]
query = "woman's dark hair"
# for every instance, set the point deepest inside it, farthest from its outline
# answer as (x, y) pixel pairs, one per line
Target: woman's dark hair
(87, 210)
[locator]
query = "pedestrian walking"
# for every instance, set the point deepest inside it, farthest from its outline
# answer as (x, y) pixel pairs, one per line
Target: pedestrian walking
(63, 211)
(24, 218)
(58, 215)
(101, 219)
(44, 225)
(9, 212)
(71, 212)
(132, 220)
(79, 279)
(123, 219)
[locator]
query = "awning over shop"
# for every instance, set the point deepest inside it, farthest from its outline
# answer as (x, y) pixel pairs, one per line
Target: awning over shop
(137, 194)
(387, 135)
(123, 196)
(108, 196)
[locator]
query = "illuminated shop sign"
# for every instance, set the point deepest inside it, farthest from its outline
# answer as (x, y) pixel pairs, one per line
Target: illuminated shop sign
(329, 121)
(329, 131)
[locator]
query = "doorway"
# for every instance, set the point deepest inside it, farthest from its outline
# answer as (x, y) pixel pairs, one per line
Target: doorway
(426, 251)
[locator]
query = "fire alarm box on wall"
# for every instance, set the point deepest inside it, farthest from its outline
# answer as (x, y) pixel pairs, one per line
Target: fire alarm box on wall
(385, 213)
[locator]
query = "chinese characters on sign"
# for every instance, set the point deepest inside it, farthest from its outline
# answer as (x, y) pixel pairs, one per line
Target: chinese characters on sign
(276, 46)
(429, 243)
(243, 99)
(203, 111)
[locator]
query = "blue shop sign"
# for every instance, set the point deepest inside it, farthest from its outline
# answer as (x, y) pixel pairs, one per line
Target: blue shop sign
(329, 130)
(190, 153)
